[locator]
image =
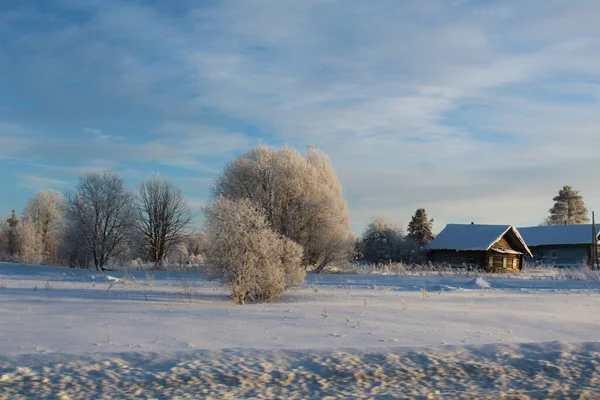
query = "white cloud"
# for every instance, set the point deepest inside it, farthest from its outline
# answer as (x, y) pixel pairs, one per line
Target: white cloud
(406, 97)
(99, 135)
(196, 204)
(37, 183)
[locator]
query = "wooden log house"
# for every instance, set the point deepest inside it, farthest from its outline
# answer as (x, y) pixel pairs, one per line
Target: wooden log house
(492, 248)
(561, 245)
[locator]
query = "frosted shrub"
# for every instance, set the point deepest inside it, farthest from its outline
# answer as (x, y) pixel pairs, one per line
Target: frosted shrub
(291, 259)
(301, 198)
(256, 263)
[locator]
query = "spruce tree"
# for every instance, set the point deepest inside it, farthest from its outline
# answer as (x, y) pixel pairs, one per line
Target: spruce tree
(419, 228)
(568, 209)
(13, 222)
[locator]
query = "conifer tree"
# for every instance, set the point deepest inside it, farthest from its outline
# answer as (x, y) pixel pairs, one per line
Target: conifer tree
(568, 209)
(11, 235)
(419, 228)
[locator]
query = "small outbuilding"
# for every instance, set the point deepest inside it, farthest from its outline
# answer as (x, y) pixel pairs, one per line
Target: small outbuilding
(561, 245)
(493, 248)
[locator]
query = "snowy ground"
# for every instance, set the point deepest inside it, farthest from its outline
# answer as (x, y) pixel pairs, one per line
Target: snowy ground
(83, 334)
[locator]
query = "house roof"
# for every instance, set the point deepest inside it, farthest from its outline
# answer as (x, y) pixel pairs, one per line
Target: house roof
(557, 235)
(463, 237)
(505, 251)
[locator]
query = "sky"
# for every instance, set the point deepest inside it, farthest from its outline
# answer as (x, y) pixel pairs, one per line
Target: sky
(475, 110)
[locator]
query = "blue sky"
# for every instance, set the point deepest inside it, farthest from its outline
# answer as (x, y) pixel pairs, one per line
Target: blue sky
(476, 110)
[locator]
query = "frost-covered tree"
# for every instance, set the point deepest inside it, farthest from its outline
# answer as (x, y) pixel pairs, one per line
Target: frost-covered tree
(568, 209)
(102, 212)
(163, 216)
(301, 198)
(420, 228)
(45, 211)
(197, 245)
(29, 243)
(256, 263)
(178, 254)
(382, 241)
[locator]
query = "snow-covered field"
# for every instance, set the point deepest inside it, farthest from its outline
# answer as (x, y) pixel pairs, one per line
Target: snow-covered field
(84, 334)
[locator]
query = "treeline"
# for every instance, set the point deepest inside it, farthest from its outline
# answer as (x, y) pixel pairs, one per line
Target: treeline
(101, 222)
(273, 215)
(384, 242)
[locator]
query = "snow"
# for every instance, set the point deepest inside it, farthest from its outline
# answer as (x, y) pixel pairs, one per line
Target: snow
(471, 237)
(506, 251)
(82, 334)
(480, 283)
(557, 235)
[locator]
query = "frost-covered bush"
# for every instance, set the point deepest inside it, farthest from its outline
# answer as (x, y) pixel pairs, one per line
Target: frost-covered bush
(256, 263)
(301, 198)
(291, 260)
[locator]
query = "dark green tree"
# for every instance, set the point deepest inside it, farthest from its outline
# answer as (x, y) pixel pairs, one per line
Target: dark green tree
(11, 234)
(420, 228)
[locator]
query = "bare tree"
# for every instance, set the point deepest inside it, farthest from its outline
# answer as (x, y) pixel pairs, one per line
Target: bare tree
(46, 212)
(301, 198)
(163, 217)
(74, 246)
(255, 262)
(102, 211)
(381, 241)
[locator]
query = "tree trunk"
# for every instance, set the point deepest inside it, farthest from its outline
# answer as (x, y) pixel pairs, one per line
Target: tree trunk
(320, 268)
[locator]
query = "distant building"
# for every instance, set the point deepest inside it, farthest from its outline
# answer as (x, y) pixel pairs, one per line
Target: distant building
(561, 245)
(493, 248)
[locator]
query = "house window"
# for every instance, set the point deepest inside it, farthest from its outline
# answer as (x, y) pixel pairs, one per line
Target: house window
(504, 262)
(491, 262)
(554, 254)
(514, 263)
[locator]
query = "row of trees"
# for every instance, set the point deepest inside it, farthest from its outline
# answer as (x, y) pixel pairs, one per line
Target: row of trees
(273, 214)
(383, 241)
(98, 222)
